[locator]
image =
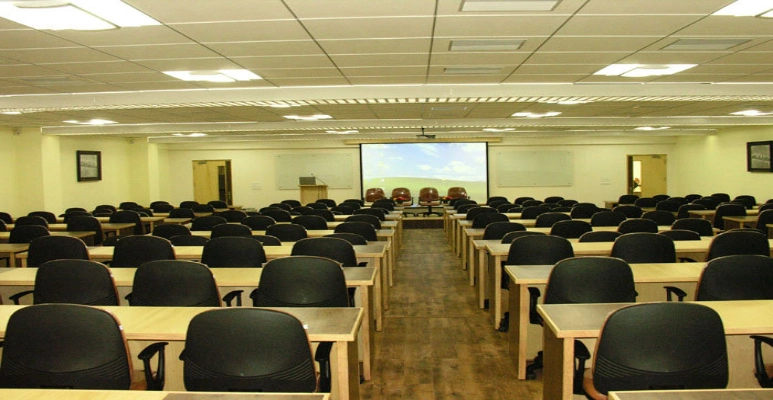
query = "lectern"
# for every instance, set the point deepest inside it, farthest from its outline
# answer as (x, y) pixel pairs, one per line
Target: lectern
(310, 190)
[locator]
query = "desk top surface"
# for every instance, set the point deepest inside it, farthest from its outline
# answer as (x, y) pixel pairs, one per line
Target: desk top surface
(68, 394)
(642, 273)
(718, 394)
(371, 250)
(494, 247)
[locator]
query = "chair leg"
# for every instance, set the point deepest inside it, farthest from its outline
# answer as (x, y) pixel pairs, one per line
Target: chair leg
(504, 323)
(535, 365)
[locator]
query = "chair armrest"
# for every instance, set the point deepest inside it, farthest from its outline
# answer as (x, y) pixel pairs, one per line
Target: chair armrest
(759, 364)
(534, 317)
(228, 298)
(17, 296)
(157, 382)
(322, 356)
(582, 355)
(680, 294)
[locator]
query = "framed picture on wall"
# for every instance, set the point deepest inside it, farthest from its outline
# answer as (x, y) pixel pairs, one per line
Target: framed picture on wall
(758, 156)
(89, 164)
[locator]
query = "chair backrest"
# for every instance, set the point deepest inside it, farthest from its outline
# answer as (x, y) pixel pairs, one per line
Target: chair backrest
(497, 230)
(661, 217)
(378, 212)
(692, 197)
(87, 223)
(129, 217)
(645, 202)
(680, 234)
(231, 230)
(629, 210)
(684, 210)
(74, 281)
(327, 202)
(428, 195)
(174, 283)
(599, 236)
(461, 202)
(352, 238)
(301, 281)
(638, 225)
(287, 232)
(207, 223)
(583, 210)
(47, 215)
(161, 207)
(31, 220)
(669, 205)
(504, 207)
(738, 277)
(233, 215)
(520, 200)
(373, 194)
(247, 350)
(720, 197)
(333, 248)
(627, 199)
(218, 204)
(644, 247)
(531, 212)
(166, 231)
(365, 229)
(739, 241)
(553, 199)
(182, 213)
(707, 202)
(510, 236)
(354, 203)
(285, 206)
(727, 210)
(474, 211)
(64, 346)
(344, 209)
(133, 251)
(482, 220)
(462, 209)
(292, 202)
(302, 210)
(311, 222)
(371, 219)
(532, 203)
(203, 208)
(590, 280)
(326, 214)
(570, 229)
(660, 197)
(258, 222)
(188, 240)
(547, 219)
(267, 240)
(539, 250)
(26, 233)
(47, 248)
(607, 218)
(700, 225)
(694, 356)
(457, 192)
(188, 203)
(763, 219)
(278, 215)
(233, 252)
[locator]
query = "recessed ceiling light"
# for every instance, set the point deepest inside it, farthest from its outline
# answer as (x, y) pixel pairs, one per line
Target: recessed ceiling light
(486, 45)
(11, 112)
(536, 115)
(751, 113)
(223, 75)
(347, 132)
(315, 117)
(508, 5)
(95, 121)
(652, 128)
(194, 134)
(74, 14)
(704, 44)
(643, 70)
(498, 129)
(472, 70)
(747, 8)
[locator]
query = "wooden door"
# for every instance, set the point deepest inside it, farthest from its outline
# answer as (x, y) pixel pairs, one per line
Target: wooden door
(652, 174)
(212, 180)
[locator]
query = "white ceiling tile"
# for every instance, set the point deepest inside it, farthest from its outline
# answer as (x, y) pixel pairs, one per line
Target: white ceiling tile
(267, 48)
(186, 11)
(394, 27)
(259, 63)
(158, 51)
(376, 46)
(240, 31)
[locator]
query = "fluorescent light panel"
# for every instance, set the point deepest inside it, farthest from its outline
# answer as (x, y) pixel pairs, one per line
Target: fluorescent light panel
(223, 75)
(487, 45)
(747, 8)
(536, 115)
(751, 113)
(508, 5)
(643, 70)
(74, 14)
(315, 117)
(95, 121)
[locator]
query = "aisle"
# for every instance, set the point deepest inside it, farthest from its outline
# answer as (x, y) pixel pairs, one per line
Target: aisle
(437, 343)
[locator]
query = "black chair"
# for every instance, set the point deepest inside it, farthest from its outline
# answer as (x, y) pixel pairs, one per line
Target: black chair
(72, 281)
(363, 229)
(287, 232)
(203, 209)
(498, 230)
(326, 214)
(721, 197)
(660, 197)
(727, 210)
(522, 199)
(700, 225)
(680, 234)
(660, 217)
(258, 222)
(174, 283)
(31, 220)
(377, 212)
(738, 277)
(461, 202)
(502, 208)
(231, 230)
(464, 208)
(233, 215)
(27, 233)
(496, 203)
(644, 247)
(128, 205)
(182, 213)
(247, 350)
(531, 212)
(510, 236)
(304, 281)
(129, 216)
(132, 251)
(570, 229)
(302, 210)
(336, 249)
(482, 220)
(582, 280)
(352, 238)
(354, 203)
(599, 236)
(87, 224)
(692, 197)
(645, 202)
(627, 199)
(72, 214)
(162, 208)
(3, 227)
(707, 202)
(342, 208)
(629, 210)
(283, 206)
(47, 215)
(553, 199)
(233, 252)
(188, 240)
(47, 248)
(291, 202)
(6, 217)
(637, 225)
(583, 210)
(670, 205)
(166, 231)
(739, 241)
(218, 204)
(764, 218)
(207, 223)
(188, 203)
(532, 203)
(546, 220)
(684, 210)
(72, 346)
(694, 356)
(311, 222)
(475, 211)
(607, 218)
(278, 215)
(387, 204)
(267, 240)
(371, 219)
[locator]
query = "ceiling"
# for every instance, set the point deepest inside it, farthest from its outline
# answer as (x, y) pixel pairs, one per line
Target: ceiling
(386, 70)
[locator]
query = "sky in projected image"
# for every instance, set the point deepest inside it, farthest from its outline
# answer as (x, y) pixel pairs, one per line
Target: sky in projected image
(417, 165)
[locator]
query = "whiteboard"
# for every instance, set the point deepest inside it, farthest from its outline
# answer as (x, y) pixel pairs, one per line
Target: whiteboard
(535, 168)
(333, 170)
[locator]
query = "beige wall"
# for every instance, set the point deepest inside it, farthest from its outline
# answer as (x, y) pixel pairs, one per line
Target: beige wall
(39, 172)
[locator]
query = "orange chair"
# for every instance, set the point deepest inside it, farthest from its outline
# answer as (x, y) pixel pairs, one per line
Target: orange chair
(402, 193)
(373, 194)
(457, 192)
(429, 197)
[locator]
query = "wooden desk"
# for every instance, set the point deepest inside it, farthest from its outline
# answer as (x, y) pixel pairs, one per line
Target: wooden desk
(149, 222)
(747, 221)
(525, 339)
(566, 322)
(4, 236)
(373, 253)
(497, 253)
(12, 251)
(142, 325)
(716, 394)
(14, 280)
(69, 394)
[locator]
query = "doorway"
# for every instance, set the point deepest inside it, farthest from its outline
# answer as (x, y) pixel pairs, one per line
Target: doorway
(647, 175)
(212, 181)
